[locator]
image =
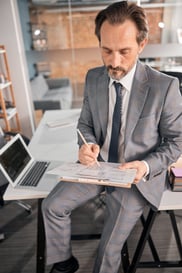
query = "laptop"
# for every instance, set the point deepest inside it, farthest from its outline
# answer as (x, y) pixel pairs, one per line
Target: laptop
(21, 169)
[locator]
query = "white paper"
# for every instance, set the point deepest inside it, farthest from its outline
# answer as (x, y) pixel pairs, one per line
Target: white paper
(59, 123)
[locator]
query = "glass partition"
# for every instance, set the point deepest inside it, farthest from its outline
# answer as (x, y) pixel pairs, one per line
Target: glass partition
(64, 44)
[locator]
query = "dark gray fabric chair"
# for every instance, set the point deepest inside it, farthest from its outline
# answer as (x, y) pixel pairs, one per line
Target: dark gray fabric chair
(50, 94)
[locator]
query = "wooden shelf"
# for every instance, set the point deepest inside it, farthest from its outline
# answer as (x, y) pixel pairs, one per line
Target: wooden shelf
(4, 85)
(11, 112)
(8, 111)
(2, 51)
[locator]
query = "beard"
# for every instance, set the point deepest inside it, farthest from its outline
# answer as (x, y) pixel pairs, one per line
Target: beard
(116, 73)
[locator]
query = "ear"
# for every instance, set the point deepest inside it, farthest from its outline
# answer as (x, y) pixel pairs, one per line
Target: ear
(142, 45)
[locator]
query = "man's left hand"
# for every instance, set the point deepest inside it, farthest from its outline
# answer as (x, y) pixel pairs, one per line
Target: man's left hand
(139, 166)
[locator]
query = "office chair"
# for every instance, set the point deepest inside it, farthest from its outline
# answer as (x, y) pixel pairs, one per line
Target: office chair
(177, 75)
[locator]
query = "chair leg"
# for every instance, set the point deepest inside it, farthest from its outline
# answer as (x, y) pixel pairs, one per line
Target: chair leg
(142, 241)
(151, 243)
(1, 201)
(2, 237)
(125, 258)
(24, 205)
(176, 232)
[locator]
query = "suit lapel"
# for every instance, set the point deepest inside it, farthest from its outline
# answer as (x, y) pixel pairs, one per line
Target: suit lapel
(103, 100)
(138, 96)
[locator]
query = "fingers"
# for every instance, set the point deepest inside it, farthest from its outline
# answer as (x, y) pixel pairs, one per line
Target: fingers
(95, 149)
(139, 166)
(88, 154)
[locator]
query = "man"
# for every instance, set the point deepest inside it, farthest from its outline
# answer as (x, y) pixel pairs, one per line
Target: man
(150, 139)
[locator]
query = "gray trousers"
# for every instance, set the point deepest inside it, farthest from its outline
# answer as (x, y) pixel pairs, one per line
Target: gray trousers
(123, 208)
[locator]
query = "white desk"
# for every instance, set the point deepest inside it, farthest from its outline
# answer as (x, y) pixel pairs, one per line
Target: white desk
(52, 144)
(60, 144)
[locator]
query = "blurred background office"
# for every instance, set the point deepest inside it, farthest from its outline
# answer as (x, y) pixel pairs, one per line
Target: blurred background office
(60, 42)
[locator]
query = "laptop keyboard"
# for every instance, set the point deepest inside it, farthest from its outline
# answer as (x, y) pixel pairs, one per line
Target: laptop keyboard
(33, 176)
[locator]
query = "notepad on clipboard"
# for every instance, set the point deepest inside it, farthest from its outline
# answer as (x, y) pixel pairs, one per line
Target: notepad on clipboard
(107, 174)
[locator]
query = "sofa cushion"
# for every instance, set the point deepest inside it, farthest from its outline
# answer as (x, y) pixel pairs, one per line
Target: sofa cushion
(39, 87)
(64, 95)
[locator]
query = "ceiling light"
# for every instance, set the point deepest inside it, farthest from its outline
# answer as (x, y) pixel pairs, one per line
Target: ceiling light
(37, 32)
(161, 24)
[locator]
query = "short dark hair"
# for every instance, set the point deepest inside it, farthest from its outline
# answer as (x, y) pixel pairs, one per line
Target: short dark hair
(118, 13)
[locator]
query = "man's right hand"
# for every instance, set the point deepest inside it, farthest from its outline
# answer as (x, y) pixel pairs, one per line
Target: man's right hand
(88, 154)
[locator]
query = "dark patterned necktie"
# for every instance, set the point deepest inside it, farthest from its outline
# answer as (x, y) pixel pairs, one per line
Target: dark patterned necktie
(116, 124)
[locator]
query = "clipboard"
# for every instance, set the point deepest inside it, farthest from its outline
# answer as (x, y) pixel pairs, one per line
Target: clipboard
(107, 174)
(96, 182)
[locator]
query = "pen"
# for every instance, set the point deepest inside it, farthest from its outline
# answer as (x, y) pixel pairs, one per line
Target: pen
(84, 141)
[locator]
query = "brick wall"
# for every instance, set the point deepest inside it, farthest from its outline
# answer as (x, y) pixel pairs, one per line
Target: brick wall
(58, 26)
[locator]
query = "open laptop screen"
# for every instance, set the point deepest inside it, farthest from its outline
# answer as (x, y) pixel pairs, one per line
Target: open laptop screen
(14, 159)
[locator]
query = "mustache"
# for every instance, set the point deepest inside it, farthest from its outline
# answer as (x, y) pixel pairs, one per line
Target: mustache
(118, 68)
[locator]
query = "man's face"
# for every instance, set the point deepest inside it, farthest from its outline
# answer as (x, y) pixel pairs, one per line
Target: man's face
(119, 48)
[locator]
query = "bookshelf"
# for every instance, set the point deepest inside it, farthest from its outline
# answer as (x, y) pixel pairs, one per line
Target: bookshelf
(8, 112)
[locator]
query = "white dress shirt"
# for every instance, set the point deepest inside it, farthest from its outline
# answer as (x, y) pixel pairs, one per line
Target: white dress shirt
(126, 82)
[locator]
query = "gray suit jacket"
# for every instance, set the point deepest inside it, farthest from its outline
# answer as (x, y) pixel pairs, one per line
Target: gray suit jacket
(153, 127)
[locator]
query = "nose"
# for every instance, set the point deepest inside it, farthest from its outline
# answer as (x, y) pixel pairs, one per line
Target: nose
(115, 59)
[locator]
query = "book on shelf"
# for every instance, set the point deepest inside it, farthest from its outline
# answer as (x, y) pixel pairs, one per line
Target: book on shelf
(9, 111)
(5, 84)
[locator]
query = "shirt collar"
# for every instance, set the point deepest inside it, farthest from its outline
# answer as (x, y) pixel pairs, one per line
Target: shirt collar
(127, 80)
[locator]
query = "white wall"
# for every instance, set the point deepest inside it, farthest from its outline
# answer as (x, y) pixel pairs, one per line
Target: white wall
(11, 38)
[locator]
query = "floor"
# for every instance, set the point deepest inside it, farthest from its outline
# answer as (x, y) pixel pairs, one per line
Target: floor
(18, 249)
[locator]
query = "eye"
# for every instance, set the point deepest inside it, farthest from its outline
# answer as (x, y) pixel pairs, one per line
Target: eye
(124, 51)
(106, 50)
